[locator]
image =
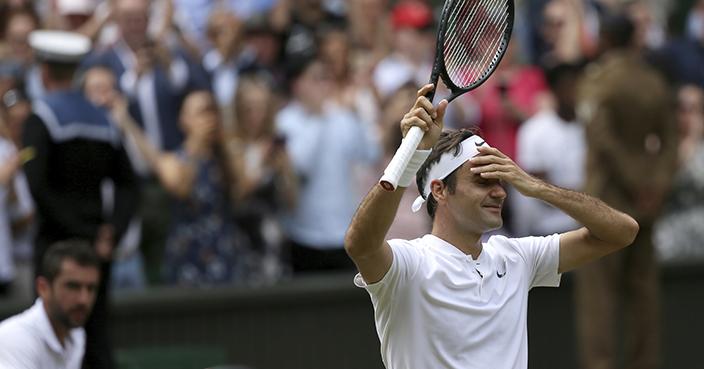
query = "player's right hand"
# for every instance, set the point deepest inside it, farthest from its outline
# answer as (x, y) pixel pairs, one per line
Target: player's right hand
(426, 116)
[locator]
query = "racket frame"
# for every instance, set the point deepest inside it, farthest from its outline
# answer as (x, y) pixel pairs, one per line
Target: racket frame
(439, 68)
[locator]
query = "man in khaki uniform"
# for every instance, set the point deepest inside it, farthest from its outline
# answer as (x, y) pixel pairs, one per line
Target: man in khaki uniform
(631, 160)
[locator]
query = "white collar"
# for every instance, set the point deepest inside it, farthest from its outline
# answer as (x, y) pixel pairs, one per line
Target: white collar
(484, 262)
(47, 331)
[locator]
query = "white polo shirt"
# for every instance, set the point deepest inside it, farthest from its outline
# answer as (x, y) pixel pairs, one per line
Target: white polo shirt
(27, 341)
(438, 308)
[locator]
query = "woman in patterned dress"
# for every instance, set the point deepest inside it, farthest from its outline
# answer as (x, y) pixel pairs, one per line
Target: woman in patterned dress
(206, 245)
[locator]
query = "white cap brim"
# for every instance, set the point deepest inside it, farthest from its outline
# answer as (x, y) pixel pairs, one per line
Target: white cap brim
(59, 46)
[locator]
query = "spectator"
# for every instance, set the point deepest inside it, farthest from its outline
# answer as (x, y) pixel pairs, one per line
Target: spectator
(9, 165)
(11, 7)
(155, 80)
(323, 142)
(228, 57)
(694, 24)
(683, 58)
(18, 27)
(513, 93)
(689, 114)
(368, 26)
(631, 160)
(678, 234)
(265, 44)
(154, 77)
(50, 334)
(568, 32)
(15, 46)
(99, 86)
(649, 34)
(270, 184)
(205, 245)
(16, 107)
(353, 87)
(334, 49)
(193, 16)
(550, 131)
(300, 22)
(81, 16)
(14, 111)
(412, 40)
(77, 148)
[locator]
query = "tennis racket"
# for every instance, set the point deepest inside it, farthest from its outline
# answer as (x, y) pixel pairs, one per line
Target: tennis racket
(473, 36)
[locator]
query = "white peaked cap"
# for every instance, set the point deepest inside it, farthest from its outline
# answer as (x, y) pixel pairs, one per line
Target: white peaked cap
(84, 7)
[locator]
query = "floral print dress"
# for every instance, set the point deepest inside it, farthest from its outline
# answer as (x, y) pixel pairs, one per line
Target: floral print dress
(206, 245)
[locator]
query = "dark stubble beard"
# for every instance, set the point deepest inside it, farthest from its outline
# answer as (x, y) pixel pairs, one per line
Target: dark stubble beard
(63, 318)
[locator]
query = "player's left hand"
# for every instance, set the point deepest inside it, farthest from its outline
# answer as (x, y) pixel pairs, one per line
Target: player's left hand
(493, 164)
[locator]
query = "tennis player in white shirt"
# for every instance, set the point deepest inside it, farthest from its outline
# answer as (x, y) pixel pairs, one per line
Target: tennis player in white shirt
(447, 300)
(50, 334)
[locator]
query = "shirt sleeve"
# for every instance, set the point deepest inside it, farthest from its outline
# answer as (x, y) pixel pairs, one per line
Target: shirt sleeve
(406, 259)
(542, 256)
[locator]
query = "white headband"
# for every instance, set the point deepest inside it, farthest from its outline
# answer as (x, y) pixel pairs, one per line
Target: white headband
(447, 164)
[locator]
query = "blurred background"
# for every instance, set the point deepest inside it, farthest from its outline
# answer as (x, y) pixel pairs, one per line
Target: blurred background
(286, 112)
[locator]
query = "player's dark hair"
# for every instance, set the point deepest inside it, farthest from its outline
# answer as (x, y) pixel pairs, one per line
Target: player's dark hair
(77, 250)
(449, 140)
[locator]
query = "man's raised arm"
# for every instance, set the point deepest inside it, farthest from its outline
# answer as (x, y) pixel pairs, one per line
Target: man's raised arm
(605, 228)
(365, 240)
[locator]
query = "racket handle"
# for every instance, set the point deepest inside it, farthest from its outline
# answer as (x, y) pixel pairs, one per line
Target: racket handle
(393, 172)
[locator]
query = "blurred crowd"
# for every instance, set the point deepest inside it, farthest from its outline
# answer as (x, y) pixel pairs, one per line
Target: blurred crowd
(254, 127)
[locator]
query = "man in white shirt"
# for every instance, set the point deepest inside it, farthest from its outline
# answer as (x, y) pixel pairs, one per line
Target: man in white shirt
(447, 300)
(50, 334)
(324, 142)
(539, 139)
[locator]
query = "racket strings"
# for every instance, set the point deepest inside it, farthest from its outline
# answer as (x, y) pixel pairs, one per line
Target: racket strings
(474, 39)
(478, 36)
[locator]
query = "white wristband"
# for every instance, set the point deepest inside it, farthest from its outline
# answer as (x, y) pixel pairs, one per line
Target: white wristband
(416, 161)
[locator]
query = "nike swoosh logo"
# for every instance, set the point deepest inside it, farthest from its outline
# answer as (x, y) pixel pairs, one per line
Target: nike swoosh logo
(479, 143)
(500, 275)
